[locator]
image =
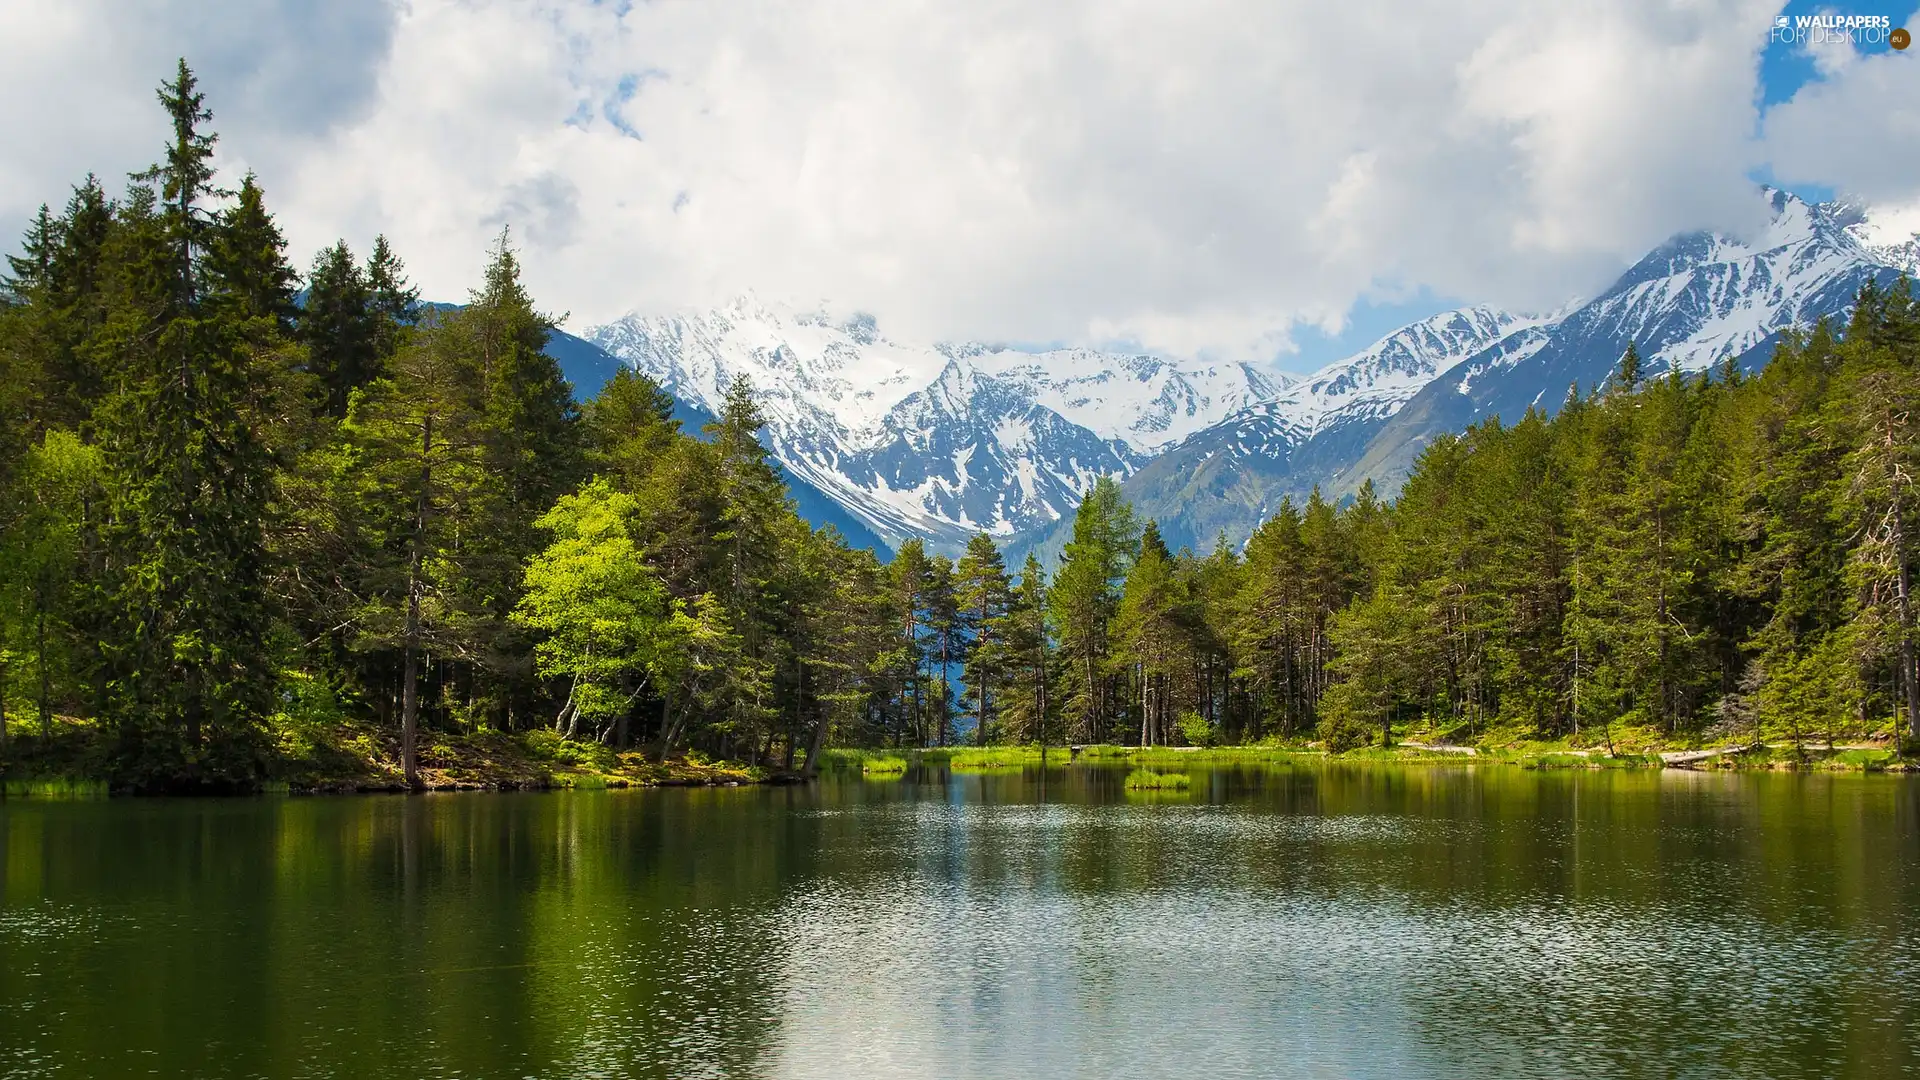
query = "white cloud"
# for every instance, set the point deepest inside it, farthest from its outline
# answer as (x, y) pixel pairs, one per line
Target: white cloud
(1856, 128)
(1198, 175)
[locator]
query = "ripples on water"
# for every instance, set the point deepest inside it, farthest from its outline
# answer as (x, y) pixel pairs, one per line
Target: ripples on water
(998, 969)
(1465, 923)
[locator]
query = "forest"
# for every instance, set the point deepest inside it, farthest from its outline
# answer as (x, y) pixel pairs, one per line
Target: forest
(239, 502)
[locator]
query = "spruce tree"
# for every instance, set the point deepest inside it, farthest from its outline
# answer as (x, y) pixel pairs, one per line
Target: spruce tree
(1026, 709)
(338, 326)
(193, 485)
(1627, 375)
(983, 596)
(417, 471)
(394, 301)
(1084, 597)
(1153, 633)
(942, 616)
(246, 263)
(908, 576)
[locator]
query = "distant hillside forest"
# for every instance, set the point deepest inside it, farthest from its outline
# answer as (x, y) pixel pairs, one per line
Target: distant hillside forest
(238, 500)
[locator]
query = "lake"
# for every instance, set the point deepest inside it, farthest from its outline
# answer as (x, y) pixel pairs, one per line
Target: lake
(1316, 920)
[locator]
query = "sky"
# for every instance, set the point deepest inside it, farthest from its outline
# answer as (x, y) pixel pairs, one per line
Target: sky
(1243, 179)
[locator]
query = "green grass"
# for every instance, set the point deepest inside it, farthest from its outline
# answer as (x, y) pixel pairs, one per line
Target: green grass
(1184, 757)
(54, 789)
(1583, 761)
(884, 765)
(992, 758)
(1148, 780)
(1863, 760)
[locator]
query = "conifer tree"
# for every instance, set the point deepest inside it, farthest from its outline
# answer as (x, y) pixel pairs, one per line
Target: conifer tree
(193, 482)
(418, 468)
(394, 301)
(337, 324)
(942, 619)
(1084, 597)
(1153, 632)
(1025, 634)
(909, 575)
(246, 262)
(984, 595)
(1627, 376)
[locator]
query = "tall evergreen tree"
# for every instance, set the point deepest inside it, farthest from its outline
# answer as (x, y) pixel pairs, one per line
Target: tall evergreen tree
(337, 324)
(1154, 633)
(984, 596)
(193, 483)
(1084, 597)
(1026, 635)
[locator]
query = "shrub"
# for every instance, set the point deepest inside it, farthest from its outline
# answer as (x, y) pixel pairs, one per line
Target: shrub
(1194, 729)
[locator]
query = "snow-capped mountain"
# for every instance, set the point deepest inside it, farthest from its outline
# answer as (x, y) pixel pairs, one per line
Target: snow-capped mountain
(1695, 301)
(941, 440)
(1369, 386)
(1698, 300)
(1228, 477)
(936, 441)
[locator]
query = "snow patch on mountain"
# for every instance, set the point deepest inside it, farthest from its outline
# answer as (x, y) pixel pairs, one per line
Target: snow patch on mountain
(936, 441)
(1370, 385)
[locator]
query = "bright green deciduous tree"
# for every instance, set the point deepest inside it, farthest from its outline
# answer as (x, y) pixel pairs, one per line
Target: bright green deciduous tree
(607, 623)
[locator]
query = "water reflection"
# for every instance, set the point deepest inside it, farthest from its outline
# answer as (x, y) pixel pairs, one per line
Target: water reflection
(1336, 921)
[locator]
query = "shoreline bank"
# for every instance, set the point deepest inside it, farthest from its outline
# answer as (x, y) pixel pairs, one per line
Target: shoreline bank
(362, 759)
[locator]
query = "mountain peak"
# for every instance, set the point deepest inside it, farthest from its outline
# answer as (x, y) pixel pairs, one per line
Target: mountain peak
(934, 440)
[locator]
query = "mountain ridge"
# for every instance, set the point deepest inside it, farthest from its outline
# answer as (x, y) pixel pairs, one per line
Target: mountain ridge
(935, 441)
(939, 441)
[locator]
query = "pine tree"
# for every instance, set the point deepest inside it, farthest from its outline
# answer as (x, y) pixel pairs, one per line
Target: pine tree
(1875, 405)
(418, 467)
(984, 596)
(246, 263)
(754, 515)
(1027, 710)
(1153, 632)
(394, 301)
(31, 271)
(193, 479)
(533, 453)
(1084, 598)
(942, 619)
(1268, 621)
(629, 428)
(75, 309)
(337, 324)
(1627, 376)
(908, 576)
(185, 184)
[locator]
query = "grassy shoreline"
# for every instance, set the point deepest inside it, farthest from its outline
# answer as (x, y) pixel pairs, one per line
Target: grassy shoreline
(340, 758)
(1640, 754)
(350, 758)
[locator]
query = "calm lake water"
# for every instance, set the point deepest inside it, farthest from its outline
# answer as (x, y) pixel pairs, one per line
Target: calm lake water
(1386, 921)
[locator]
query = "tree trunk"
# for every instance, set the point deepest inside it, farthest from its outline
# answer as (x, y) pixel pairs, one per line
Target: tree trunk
(666, 724)
(410, 697)
(812, 768)
(946, 691)
(410, 685)
(1040, 701)
(46, 696)
(1146, 707)
(1908, 672)
(980, 711)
